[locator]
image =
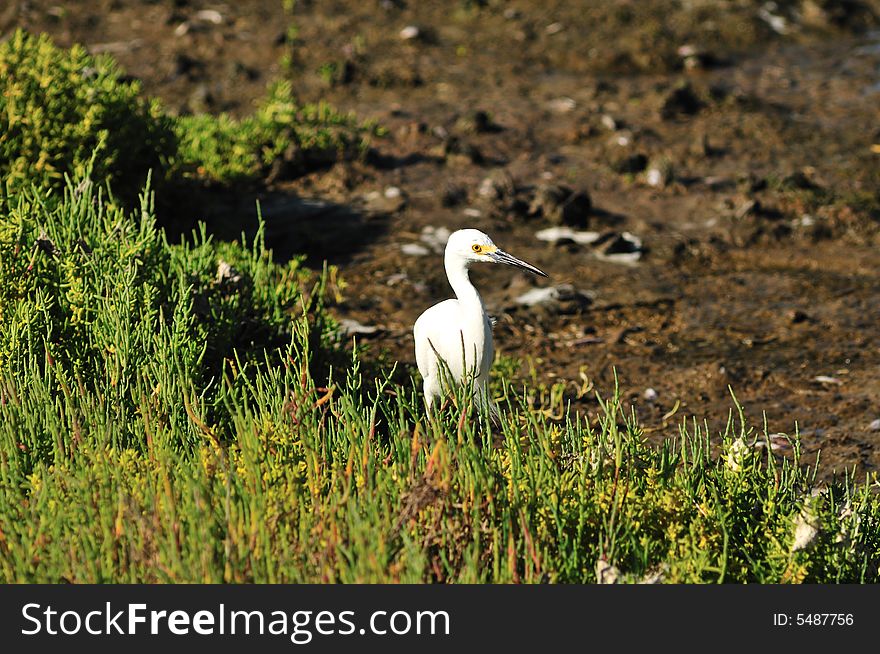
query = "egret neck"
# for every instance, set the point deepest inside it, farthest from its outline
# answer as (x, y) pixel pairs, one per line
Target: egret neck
(472, 328)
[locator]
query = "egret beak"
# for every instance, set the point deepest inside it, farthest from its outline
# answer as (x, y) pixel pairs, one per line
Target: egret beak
(500, 256)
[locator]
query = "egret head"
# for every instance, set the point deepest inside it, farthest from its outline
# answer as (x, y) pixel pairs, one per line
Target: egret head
(473, 246)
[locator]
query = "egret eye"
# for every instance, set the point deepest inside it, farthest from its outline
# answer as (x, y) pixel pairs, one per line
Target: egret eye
(476, 248)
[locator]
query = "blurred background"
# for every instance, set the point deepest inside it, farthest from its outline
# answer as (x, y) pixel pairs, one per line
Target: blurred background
(701, 180)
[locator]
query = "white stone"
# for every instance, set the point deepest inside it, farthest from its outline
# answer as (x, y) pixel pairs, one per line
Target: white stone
(414, 249)
(410, 32)
(556, 234)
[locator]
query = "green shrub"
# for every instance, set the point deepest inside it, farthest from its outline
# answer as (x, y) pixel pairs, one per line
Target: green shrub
(61, 108)
(280, 131)
(99, 301)
(64, 111)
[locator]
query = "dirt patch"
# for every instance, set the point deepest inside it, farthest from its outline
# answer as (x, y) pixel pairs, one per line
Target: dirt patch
(737, 143)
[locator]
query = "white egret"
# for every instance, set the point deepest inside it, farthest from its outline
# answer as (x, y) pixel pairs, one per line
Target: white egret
(457, 332)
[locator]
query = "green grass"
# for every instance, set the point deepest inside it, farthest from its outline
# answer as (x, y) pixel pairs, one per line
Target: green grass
(181, 413)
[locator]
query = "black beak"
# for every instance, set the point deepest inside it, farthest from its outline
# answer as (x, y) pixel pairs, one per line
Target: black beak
(500, 256)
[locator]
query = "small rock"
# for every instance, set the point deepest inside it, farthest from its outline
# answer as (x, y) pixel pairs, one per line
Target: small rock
(751, 183)
(186, 65)
(560, 205)
(454, 150)
(827, 380)
(200, 99)
(798, 316)
(875, 425)
(414, 249)
(563, 299)
(453, 195)
(655, 576)
(654, 177)
(777, 443)
(45, 244)
(777, 23)
(114, 47)
(693, 57)
(609, 123)
(681, 100)
(621, 248)
(198, 19)
(567, 234)
(836, 14)
(497, 185)
(576, 210)
(472, 212)
(537, 296)
(388, 201)
(806, 529)
(228, 278)
(562, 105)
(650, 395)
(487, 189)
(849, 524)
(748, 208)
(548, 200)
(396, 278)
(622, 139)
(351, 327)
(410, 32)
(476, 122)
(209, 16)
(628, 162)
(701, 147)
(554, 28)
(606, 573)
(799, 180)
(660, 173)
(737, 454)
(435, 237)
(227, 274)
(719, 183)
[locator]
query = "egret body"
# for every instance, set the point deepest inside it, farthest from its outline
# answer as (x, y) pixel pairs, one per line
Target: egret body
(458, 332)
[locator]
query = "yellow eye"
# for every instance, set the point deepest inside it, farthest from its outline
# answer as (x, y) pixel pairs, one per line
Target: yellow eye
(476, 248)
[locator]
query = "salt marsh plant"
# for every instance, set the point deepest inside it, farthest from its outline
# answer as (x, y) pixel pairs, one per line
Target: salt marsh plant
(65, 111)
(184, 411)
(179, 413)
(59, 107)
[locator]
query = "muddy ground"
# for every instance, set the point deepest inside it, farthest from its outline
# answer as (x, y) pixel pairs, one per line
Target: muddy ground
(738, 141)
